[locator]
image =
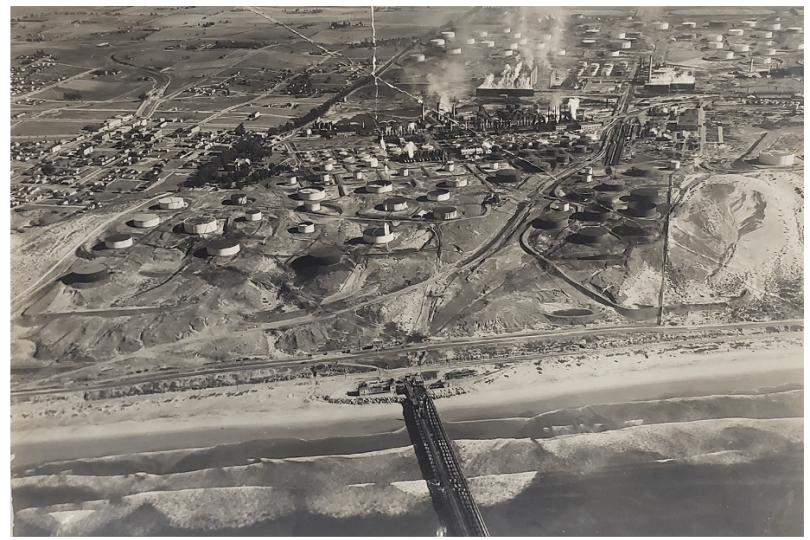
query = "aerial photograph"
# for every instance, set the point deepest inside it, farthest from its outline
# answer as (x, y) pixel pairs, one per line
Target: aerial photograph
(406, 271)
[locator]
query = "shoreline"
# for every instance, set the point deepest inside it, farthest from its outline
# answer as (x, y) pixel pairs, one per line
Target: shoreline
(524, 394)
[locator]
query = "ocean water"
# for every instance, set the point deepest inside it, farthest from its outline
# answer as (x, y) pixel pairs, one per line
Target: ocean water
(707, 466)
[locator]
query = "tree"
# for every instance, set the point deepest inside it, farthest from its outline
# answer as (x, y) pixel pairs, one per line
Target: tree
(240, 130)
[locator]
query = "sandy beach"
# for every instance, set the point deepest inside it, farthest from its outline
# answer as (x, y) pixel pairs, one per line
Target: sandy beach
(191, 420)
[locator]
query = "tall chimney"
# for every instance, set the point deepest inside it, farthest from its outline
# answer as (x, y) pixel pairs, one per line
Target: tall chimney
(649, 75)
(423, 110)
(751, 67)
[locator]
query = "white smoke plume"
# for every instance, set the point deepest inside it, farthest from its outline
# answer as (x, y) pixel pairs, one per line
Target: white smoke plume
(573, 105)
(448, 83)
(410, 147)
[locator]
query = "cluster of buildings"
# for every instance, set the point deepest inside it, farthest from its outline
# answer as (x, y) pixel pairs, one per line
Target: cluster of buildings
(22, 81)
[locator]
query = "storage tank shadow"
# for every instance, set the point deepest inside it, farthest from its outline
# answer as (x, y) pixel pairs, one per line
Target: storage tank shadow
(572, 316)
(589, 236)
(318, 262)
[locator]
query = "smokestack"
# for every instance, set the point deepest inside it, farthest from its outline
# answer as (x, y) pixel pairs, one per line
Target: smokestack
(751, 67)
(438, 108)
(423, 110)
(649, 75)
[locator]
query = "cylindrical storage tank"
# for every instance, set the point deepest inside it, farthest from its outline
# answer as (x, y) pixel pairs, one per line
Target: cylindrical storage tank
(450, 166)
(610, 186)
(516, 35)
(495, 166)
(438, 195)
(378, 235)
(470, 41)
(560, 205)
(507, 175)
(778, 158)
(312, 206)
(508, 52)
(437, 42)
(306, 227)
(455, 51)
(418, 57)
(646, 194)
(561, 52)
(523, 41)
(145, 221)
(488, 44)
(89, 272)
(507, 30)
(615, 53)
(795, 29)
(311, 194)
(404, 172)
(583, 194)
(749, 24)
(239, 199)
(661, 25)
(171, 203)
(553, 220)
(619, 35)
(379, 186)
(328, 166)
(253, 215)
(740, 47)
(588, 42)
(736, 32)
(483, 33)
(394, 204)
(200, 225)
(715, 45)
(627, 44)
(292, 181)
(643, 208)
(445, 212)
(690, 24)
(591, 235)
(358, 175)
(373, 162)
(774, 26)
(714, 37)
(770, 52)
(118, 241)
(349, 159)
(223, 247)
(725, 55)
(456, 182)
(766, 60)
(766, 35)
(326, 178)
(448, 35)
(674, 165)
